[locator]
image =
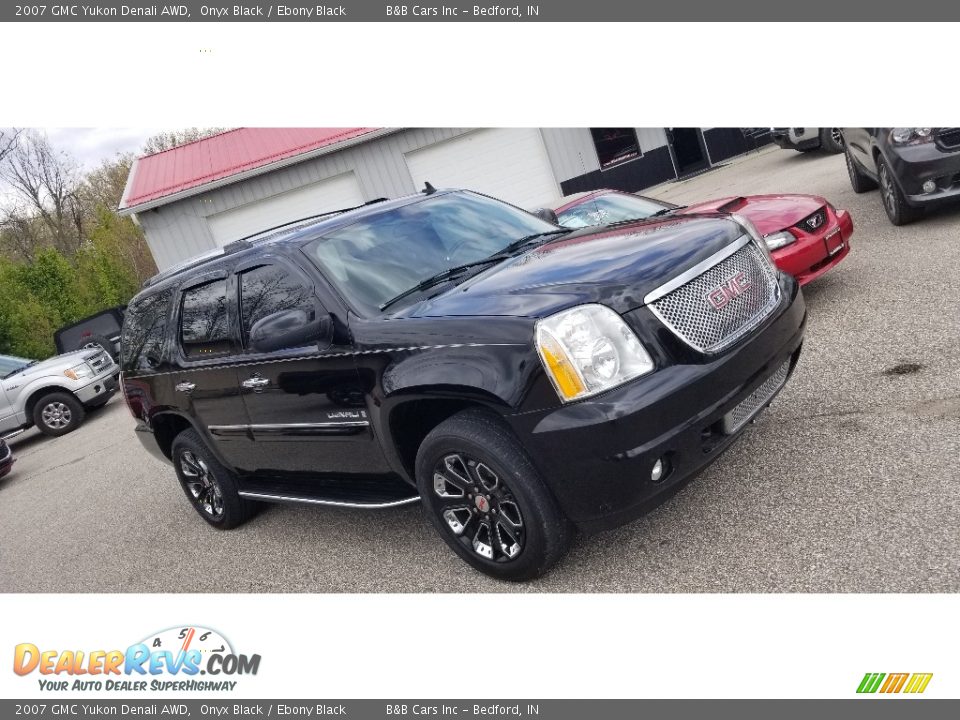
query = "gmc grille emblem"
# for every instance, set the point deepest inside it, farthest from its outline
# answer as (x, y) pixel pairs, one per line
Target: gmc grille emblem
(729, 289)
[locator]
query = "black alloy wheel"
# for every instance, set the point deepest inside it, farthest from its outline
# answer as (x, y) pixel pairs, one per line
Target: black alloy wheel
(489, 503)
(208, 485)
(478, 508)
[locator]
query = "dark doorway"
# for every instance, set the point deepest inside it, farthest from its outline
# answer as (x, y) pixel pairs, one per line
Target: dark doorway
(689, 152)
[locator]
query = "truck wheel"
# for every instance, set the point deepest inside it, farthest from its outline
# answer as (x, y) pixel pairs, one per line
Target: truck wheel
(893, 201)
(208, 485)
(487, 500)
(57, 414)
(98, 341)
(858, 181)
(831, 140)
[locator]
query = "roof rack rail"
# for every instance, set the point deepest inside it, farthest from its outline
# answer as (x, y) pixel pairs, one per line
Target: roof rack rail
(300, 220)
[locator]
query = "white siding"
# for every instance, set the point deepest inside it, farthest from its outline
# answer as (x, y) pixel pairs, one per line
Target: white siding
(179, 231)
(331, 194)
(506, 163)
(571, 152)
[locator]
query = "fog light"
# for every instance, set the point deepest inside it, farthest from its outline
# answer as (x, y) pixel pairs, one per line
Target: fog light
(657, 473)
(929, 186)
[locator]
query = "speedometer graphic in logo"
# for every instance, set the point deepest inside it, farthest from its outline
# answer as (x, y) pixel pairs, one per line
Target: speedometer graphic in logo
(188, 637)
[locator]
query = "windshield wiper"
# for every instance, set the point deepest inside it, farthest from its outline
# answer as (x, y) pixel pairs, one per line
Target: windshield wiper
(438, 278)
(20, 369)
(459, 269)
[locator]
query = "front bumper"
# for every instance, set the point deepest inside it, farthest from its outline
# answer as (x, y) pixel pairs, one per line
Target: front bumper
(6, 459)
(597, 455)
(787, 138)
(814, 254)
(913, 165)
(102, 386)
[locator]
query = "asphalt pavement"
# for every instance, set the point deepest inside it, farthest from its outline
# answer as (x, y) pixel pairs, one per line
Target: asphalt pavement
(848, 483)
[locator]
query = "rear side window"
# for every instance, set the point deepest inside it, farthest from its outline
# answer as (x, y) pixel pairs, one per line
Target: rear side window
(204, 323)
(268, 289)
(144, 332)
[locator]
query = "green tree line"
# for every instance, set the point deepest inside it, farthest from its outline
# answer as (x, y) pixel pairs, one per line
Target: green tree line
(65, 253)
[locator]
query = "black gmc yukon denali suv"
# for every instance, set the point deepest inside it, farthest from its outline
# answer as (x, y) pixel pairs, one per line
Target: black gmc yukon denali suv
(521, 380)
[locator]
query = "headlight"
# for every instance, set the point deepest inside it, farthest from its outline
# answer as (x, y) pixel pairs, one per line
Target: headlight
(588, 349)
(777, 240)
(911, 136)
(79, 372)
(754, 234)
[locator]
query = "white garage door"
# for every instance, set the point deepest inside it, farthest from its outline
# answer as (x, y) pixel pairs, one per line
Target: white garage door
(337, 192)
(510, 164)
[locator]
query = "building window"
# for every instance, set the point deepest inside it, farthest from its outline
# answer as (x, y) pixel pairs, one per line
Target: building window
(615, 145)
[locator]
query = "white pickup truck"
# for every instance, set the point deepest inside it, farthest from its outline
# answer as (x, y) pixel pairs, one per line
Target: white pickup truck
(54, 394)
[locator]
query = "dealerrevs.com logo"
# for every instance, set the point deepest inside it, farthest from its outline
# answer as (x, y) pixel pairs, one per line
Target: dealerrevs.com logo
(892, 683)
(172, 659)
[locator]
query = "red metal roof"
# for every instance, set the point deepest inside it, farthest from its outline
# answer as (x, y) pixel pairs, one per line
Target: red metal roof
(195, 164)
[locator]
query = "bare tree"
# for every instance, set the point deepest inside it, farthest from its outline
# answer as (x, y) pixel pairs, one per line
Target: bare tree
(8, 139)
(44, 185)
(174, 138)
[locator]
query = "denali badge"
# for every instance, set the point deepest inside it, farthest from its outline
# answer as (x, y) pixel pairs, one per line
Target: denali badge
(729, 289)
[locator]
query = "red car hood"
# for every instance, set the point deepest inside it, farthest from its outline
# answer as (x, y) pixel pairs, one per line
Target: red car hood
(769, 213)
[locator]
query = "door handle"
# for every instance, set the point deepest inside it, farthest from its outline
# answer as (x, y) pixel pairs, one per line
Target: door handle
(185, 387)
(256, 383)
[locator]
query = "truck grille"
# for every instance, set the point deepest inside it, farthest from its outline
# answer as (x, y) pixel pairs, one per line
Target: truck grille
(754, 402)
(949, 137)
(722, 304)
(100, 361)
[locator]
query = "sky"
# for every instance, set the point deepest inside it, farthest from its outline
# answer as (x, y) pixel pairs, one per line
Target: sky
(89, 146)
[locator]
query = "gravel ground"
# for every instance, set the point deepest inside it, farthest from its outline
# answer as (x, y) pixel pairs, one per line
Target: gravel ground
(849, 483)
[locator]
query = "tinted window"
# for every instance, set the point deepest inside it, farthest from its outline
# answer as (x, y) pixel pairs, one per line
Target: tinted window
(269, 289)
(144, 331)
(606, 209)
(105, 324)
(204, 326)
(377, 258)
(615, 145)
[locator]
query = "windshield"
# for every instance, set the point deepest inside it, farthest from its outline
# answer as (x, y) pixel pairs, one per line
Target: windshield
(378, 258)
(608, 209)
(10, 364)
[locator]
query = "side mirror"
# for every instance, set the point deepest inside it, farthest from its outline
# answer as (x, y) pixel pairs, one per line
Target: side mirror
(290, 329)
(547, 214)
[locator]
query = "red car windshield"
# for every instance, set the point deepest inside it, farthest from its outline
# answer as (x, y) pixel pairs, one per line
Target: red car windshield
(607, 209)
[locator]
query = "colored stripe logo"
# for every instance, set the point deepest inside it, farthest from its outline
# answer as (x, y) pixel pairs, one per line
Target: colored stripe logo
(913, 683)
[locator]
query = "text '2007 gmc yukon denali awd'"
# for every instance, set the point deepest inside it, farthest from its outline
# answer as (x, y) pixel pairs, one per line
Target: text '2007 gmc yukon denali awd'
(522, 380)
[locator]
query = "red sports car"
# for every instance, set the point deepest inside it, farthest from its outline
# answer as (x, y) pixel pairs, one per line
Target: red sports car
(806, 235)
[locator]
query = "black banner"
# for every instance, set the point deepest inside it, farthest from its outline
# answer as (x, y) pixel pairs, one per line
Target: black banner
(453, 11)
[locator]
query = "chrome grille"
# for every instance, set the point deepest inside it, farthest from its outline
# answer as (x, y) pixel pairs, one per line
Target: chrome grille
(754, 402)
(100, 361)
(690, 314)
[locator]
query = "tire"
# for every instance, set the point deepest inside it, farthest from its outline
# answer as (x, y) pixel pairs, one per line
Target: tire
(892, 198)
(58, 413)
(858, 181)
(208, 485)
(831, 141)
(98, 340)
(511, 528)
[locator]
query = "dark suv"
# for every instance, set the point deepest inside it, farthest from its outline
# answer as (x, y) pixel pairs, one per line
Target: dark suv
(916, 168)
(523, 381)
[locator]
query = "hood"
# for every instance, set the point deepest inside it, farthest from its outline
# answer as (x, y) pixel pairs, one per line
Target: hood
(769, 213)
(57, 364)
(616, 266)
